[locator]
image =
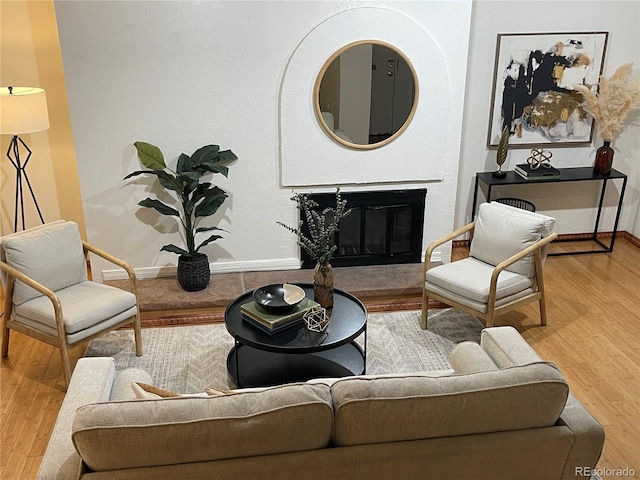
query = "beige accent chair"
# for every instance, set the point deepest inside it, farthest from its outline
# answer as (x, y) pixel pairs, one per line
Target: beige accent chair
(48, 295)
(504, 267)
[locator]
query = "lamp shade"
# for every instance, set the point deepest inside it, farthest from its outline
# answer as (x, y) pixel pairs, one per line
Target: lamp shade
(24, 110)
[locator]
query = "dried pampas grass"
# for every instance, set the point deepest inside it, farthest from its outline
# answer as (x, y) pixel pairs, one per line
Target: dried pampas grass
(617, 96)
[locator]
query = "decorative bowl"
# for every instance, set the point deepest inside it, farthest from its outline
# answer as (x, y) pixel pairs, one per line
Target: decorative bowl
(278, 297)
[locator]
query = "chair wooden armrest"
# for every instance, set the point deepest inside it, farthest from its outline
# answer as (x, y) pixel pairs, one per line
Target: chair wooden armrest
(535, 249)
(116, 261)
(436, 243)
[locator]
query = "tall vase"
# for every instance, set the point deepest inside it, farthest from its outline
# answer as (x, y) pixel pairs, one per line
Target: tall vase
(323, 284)
(604, 159)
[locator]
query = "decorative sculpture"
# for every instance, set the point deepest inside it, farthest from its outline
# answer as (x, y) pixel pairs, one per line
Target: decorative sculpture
(316, 319)
(539, 157)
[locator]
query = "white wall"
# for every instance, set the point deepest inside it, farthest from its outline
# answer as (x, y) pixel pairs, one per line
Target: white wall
(571, 204)
(181, 74)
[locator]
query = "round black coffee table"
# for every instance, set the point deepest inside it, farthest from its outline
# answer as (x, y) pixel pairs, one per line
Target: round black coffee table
(297, 354)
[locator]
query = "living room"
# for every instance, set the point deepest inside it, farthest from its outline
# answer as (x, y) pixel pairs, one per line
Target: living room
(182, 75)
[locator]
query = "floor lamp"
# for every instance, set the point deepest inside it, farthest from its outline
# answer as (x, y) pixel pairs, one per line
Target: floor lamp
(23, 110)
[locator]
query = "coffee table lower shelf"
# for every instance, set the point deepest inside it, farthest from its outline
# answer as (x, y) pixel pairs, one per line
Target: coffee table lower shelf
(260, 368)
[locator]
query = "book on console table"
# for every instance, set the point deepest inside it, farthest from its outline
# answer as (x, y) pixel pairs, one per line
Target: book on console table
(272, 322)
(540, 173)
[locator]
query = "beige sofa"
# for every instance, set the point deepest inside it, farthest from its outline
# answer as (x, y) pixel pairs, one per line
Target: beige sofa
(503, 414)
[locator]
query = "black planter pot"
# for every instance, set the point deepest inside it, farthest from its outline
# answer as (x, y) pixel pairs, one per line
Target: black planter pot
(193, 272)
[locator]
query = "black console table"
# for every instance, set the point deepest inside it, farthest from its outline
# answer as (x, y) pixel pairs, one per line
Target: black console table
(579, 174)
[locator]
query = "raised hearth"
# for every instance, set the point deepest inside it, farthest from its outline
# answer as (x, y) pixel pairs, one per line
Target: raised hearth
(380, 287)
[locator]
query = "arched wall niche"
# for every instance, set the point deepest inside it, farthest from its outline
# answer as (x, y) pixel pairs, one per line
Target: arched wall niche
(308, 157)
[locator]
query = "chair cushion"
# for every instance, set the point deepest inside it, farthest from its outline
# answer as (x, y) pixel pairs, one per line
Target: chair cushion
(51, 255)
(501, 231)
(470, 278)
(516, 398)
(84, 304)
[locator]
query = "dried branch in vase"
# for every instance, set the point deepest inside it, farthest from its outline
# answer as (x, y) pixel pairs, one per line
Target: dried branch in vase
(615, 98)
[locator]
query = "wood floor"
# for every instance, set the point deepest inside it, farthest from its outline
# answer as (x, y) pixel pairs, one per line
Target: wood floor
(593, 335)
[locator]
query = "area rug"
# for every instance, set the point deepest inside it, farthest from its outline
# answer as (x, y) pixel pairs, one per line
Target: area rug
(188, 359)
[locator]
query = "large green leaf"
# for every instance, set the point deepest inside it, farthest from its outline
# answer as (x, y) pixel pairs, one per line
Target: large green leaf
(205, 154)
(215, 168)
(189, 182)
(139, 172)
(226, 156)
(215, 165)
(168, 181)
(174, 249)
(208, 229)
(150, 155)
(185, 164)
(212, 238)
(210, 205)
(198, 194)
(159, 206)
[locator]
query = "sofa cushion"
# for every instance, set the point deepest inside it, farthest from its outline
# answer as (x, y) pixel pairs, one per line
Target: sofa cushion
(470, 357)
(51, 255)
(139, 433)
(502, 231)
(416, 407)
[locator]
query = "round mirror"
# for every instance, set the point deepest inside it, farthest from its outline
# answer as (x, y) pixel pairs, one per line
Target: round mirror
(366, 94)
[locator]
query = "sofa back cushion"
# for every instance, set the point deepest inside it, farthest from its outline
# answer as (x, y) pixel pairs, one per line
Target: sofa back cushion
(141, 433)
(50, 254)
(501, 231)
(392, 409)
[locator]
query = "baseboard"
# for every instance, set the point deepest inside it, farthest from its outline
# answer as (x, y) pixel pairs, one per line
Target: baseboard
(217, 267)
(567, 237)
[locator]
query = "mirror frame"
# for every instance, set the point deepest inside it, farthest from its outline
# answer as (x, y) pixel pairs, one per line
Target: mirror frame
(316, 97)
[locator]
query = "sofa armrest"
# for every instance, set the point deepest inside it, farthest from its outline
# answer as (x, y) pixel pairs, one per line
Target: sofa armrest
(91, 382)
(507, 348)
(588, 438)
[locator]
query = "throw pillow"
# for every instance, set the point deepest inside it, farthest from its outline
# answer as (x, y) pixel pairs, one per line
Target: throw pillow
(146, 391)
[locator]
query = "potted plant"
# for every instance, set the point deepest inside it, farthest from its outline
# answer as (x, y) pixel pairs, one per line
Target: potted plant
(196, 199)
(320, 245)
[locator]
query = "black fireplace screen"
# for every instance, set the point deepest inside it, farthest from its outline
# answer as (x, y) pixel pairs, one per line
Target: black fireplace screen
(384, 227)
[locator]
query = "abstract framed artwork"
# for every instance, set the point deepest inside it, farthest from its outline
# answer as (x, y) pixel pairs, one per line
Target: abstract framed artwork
(533, 87)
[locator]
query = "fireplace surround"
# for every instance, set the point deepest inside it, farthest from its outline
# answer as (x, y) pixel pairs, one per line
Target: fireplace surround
(384, 227)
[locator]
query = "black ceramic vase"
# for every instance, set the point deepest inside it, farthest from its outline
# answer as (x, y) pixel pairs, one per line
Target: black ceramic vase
(193, 272)
(604, 159)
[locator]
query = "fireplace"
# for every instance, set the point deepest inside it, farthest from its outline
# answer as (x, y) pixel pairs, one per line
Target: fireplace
(384, 227)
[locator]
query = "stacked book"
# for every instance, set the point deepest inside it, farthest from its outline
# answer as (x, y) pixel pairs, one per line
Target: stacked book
(275, 322)
(540, 173)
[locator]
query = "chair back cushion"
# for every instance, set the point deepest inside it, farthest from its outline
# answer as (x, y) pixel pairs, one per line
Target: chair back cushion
(501, 231)
(51, 255)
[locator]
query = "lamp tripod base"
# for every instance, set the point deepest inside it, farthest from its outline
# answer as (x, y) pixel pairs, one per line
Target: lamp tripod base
(13, 154)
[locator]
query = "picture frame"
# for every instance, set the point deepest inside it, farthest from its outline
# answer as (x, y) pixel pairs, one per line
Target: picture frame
(534, 76)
